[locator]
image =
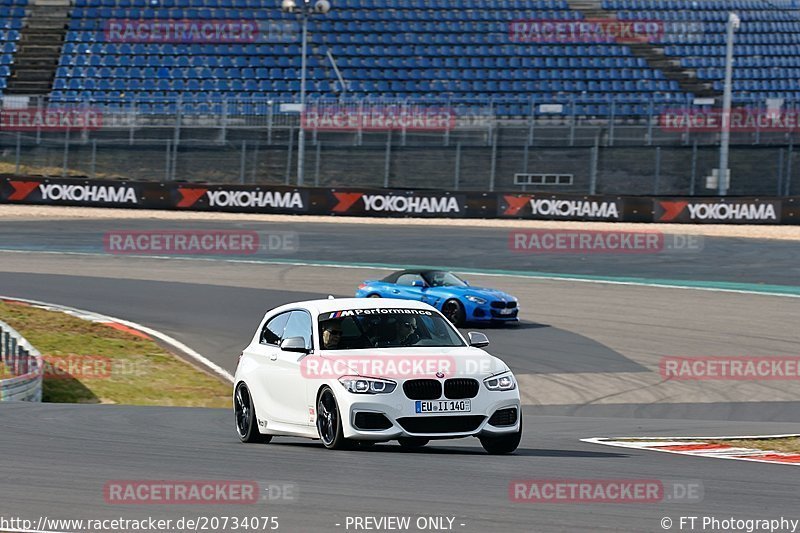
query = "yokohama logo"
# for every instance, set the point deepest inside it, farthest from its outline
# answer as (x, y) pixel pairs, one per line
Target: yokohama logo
(228, 198)
(574, 208)
(732, 212)
(718, 211)
(560, 208)
(56, 192)
(397, 204)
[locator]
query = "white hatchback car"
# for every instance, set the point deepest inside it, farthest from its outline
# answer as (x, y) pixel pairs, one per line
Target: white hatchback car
(353, 372)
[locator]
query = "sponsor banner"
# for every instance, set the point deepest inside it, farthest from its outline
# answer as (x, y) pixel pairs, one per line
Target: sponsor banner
(397, 203)
(389, 118)
(592, 30)
(240, 198)
(180, 31)
(72, 192)
(560, 207)
(717, 210)
(740, 120)
(51, 119)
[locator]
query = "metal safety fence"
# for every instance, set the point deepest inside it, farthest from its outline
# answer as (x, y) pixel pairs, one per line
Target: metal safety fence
(671, 148)
(21, 367)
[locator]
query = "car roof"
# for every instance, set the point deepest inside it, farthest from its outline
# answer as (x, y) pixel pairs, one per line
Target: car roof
(344, 304)
(392, 278)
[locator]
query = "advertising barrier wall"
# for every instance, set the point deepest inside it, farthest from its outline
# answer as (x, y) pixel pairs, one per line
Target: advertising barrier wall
(396, 202)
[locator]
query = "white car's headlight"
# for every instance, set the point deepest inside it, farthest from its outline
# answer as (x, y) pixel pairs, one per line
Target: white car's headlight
(501, 382)
(475, 299)
(360, 385)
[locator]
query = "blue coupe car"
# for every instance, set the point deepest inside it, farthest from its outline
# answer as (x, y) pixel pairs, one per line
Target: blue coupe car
(455, 298)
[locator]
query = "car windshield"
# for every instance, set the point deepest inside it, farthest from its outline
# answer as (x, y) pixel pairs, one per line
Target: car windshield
(440, 278)
(359, 329)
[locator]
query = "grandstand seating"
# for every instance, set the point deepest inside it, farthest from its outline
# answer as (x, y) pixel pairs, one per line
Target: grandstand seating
(417, 49)
(12, 13)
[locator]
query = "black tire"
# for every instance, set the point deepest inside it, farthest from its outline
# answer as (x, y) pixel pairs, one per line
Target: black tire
(502, 445)
(373, 295)
(246, 419)
(412, 442)
(329, 421)
(454, 312)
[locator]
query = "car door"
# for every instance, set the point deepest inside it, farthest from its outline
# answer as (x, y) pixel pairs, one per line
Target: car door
(287, 385)
(266, 352)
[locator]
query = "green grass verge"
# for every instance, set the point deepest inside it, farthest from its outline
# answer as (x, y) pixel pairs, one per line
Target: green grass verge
(86, 362)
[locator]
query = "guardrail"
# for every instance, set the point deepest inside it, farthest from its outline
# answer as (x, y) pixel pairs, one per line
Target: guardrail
(25, 365)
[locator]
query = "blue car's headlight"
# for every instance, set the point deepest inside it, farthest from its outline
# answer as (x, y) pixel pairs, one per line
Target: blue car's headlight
(501, 382)
(475, 299)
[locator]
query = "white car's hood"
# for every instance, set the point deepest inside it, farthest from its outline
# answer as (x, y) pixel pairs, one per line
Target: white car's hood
(418, 362)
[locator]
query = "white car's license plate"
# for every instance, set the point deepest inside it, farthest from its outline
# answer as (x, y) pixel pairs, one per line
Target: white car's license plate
(443, 406)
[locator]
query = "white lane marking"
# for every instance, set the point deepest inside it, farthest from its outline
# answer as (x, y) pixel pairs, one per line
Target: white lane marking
(461, 271)
(97, 317)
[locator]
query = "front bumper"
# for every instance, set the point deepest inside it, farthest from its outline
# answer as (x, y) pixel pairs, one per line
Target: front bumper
(486, 313)
(403, 421)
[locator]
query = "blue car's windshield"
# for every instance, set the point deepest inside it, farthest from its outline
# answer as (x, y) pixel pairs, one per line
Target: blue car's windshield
(440, 278)
(385, 328)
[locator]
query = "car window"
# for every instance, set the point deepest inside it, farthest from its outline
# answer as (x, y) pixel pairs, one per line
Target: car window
(299, 325)
(438, 278)
(388, 328)
(408, 279)
(273, 329)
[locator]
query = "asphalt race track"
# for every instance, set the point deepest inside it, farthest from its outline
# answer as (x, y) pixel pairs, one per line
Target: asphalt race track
(586, 354)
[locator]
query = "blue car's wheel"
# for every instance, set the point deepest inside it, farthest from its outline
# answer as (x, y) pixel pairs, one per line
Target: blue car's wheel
(454, 312)
(374, 295)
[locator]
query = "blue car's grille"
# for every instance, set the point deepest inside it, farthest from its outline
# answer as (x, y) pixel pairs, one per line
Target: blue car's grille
(504, 305)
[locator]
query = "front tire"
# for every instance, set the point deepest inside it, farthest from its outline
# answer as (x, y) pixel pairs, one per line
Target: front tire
(246, 419)
(374, 295)
(454, 312)
(502, 445)
(329, 421)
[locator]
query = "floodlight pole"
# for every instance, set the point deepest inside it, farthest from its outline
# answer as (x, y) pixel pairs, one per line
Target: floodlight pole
(301, 134)
(725, 137)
